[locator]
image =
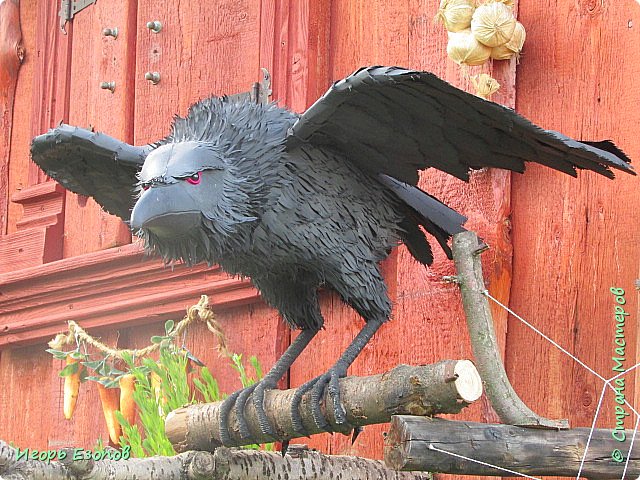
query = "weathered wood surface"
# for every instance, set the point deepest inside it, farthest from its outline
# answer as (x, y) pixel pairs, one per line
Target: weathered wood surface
(224, 464)
(115, 287)
(11, 56)
(209, 48)
(87, 227)
(412, 443)
(574, 239)
(564, 264)
(37, 205)
(18, 163)
(446, 387)
(25, 401)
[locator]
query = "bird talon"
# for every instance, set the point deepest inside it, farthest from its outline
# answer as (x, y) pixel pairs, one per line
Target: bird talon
(334, 393)
(317, 396)
(240, 405)
(258, 402)
(238, 401)
(356, 432)
(225, 411)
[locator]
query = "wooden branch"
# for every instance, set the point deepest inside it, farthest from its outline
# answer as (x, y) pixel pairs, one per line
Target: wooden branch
(530, 451)
(504, 400)
(445, 387)
(224, 464)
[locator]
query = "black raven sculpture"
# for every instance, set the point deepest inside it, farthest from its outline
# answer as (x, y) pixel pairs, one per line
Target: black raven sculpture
(298, 202)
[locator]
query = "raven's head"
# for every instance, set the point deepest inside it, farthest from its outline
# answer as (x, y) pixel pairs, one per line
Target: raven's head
(180, 189)
(172, 192)
(208, 182)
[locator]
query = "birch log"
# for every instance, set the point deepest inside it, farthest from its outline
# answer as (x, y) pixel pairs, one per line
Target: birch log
(224, 464)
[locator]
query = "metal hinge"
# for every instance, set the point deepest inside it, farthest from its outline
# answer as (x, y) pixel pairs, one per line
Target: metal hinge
(259, 93)
(68, 8)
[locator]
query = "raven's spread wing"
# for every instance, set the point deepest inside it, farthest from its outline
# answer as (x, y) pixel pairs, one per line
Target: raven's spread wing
(394, 121)
(92, 164)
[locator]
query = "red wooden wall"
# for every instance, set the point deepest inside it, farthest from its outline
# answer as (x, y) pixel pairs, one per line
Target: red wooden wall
(557, 244)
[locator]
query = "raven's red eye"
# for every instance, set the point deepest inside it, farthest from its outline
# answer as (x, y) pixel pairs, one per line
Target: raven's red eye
(194, 179)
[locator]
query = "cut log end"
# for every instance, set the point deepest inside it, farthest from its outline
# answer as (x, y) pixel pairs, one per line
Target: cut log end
(468, 382)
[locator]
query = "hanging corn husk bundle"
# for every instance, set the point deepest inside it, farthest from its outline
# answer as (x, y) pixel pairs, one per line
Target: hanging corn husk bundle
(493, 24)
(455, 14)
(512, 47)
(485, 85)
(464, 49)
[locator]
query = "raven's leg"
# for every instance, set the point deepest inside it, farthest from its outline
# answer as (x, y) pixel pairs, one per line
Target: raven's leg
(239, 398)
(363, 288)
(332, 377)
(298, 304)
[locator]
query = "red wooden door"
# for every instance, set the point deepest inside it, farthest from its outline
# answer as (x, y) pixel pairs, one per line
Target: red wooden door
(574, 239)
(97, 58)
(202, 49)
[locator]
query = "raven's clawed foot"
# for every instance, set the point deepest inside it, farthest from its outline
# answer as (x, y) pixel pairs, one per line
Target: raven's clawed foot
(329, 382)
(238, 400)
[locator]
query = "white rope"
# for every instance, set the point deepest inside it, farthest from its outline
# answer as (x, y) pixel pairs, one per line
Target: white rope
(436, 449)
(593, 426)
(487, 294)
(607, 382)
(633, 438)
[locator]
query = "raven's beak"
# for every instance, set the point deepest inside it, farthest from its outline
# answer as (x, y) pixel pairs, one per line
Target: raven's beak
(166, 210)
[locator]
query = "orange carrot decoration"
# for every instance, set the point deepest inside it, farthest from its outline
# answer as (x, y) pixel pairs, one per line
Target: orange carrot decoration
(127, 403)
(110, 403)
(71, 388)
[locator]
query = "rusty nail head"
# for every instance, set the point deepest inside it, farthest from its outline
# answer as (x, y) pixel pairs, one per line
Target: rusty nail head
(108, 86)
(155, 26)
(153, 77)
(110, 32)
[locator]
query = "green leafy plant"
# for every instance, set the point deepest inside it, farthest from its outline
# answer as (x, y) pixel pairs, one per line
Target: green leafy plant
(162, 386)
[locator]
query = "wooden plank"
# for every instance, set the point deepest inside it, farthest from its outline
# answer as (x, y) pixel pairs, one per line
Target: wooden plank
(426, 444)
(205, 49)
(37, 239)
(97, 59)
(48, 100)
(574, 239)
(25, 408)
(22, 115)
(51, 91)
(110, 288)
(11, 55)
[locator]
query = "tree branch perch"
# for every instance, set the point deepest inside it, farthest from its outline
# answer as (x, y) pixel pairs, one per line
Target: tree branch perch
(224, 464)
(504, 400)
(445, 387)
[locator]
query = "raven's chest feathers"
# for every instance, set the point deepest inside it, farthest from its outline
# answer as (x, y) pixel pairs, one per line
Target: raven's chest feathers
(323, 213)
